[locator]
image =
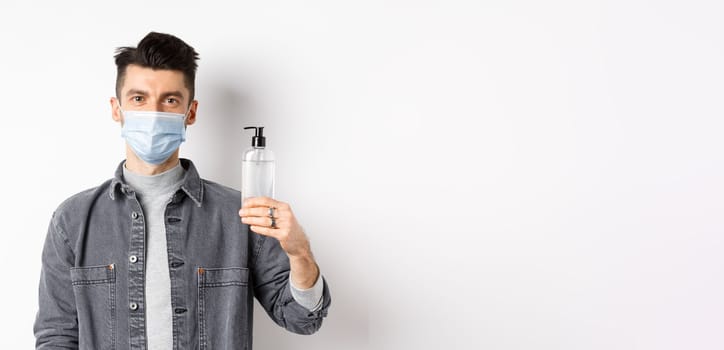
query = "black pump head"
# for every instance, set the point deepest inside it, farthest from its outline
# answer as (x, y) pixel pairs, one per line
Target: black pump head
(258, 140)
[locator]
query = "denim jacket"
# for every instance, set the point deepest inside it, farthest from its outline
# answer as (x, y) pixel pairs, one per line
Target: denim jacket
(92, 279)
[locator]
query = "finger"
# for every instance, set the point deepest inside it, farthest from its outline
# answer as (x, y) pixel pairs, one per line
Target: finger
(259, 221)
(260, 202)
(257, 211)
(266, 231)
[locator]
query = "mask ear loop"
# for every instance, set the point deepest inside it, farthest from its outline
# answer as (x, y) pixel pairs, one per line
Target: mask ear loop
(121, 109)
(186, 115)
(123, 114)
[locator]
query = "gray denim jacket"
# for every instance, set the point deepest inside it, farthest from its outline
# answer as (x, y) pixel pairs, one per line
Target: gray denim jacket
(92, 278)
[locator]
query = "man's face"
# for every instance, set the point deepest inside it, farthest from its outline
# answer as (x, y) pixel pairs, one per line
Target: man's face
(145, 89)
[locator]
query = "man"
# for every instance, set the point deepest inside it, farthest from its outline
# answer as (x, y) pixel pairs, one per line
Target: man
(157, 258)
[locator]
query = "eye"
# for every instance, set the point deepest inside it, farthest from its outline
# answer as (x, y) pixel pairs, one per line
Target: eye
(137, 98)
(171, 100)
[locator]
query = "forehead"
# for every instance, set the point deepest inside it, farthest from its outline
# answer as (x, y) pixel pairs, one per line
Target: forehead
(154, 81)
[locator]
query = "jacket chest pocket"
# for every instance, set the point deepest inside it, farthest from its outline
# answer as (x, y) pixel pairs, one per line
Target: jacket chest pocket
(95, 299)
(224, 311)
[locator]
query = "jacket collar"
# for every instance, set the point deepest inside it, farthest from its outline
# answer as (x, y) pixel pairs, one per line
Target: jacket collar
(192, 185)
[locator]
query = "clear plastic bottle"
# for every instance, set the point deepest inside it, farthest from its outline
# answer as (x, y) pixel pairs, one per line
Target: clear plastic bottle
(257, 168)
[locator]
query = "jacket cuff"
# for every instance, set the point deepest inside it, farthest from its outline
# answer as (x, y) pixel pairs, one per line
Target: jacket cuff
(310, 298)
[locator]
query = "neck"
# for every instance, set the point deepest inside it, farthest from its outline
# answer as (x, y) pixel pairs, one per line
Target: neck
(138, 166)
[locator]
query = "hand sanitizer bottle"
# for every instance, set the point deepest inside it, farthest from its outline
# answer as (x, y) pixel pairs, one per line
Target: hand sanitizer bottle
(257, 168)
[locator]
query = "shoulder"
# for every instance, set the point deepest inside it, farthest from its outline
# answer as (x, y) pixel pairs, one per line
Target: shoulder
(218, 193)
(77, 206)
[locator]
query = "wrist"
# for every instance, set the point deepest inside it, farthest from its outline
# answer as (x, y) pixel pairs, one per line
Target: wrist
(302, 256)
(304, 271)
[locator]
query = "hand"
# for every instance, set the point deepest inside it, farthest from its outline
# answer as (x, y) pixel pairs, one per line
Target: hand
(255, 213)
(285, 228)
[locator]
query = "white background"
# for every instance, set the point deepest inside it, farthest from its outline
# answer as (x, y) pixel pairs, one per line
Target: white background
(473, 175)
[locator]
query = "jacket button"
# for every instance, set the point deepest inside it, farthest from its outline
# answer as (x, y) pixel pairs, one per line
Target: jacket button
(134, 215)
(133, 306)
(180, 310)
(132, 258)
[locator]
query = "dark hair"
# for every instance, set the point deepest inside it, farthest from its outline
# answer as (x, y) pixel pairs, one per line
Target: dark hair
(158, 51)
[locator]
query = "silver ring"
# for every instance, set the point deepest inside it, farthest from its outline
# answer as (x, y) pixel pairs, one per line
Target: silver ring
(271, 212)
(273, 223)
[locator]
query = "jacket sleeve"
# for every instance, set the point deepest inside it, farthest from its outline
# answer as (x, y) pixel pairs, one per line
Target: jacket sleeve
(270, 273)
(56, 323)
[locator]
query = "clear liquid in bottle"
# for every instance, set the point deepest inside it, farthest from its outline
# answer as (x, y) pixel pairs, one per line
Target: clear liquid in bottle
(257, 178)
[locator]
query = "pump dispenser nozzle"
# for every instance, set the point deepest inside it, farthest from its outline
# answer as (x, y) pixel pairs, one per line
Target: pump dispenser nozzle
(258, 140)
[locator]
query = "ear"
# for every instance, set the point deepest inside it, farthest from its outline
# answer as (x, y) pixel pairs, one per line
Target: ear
(116, 110)
(191, 119)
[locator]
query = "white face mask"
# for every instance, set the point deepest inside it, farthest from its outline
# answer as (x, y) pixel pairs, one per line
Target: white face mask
(152, 135)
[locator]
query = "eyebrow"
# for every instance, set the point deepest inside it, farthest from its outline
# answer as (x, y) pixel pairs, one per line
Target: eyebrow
(175, 93)
(137, 92)
(172, 94)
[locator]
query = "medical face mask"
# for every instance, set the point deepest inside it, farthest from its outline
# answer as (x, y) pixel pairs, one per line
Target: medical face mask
(153, 135)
